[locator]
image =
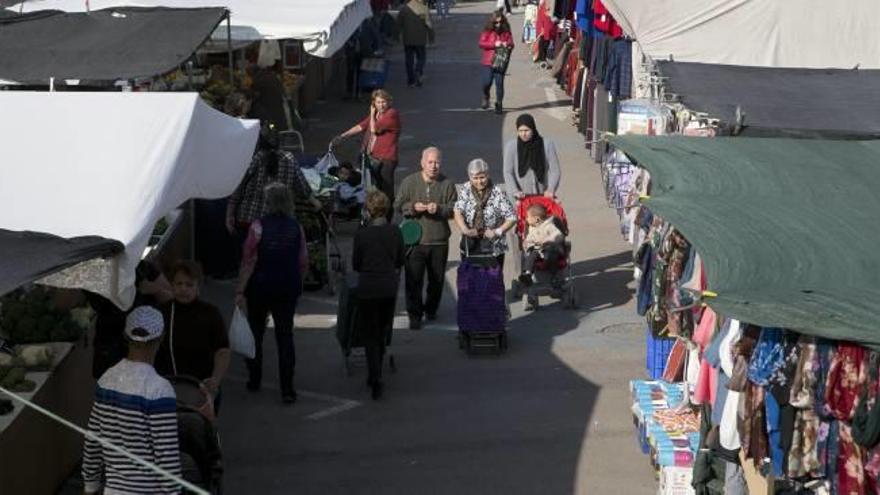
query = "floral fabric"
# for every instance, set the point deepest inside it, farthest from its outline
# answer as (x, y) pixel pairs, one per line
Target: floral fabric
(846, 377)
(768, 357)
(803, 458)
(497, 209)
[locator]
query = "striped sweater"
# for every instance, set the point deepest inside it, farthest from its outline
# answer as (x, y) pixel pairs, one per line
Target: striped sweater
(134, 409)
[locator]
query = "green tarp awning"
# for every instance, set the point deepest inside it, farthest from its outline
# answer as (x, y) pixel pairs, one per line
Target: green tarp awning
(788, 229)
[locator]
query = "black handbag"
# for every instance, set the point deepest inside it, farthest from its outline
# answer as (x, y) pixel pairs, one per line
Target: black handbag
(500, 59)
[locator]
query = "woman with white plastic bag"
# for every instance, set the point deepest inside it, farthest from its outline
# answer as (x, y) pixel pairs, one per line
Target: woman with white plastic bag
(271, 281)
(241, 340)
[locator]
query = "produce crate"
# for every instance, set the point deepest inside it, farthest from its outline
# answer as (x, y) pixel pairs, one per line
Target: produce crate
(658, 353)
(676, 481)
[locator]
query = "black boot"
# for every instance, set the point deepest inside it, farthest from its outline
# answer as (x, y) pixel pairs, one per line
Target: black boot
(498, 107)
(378, 388)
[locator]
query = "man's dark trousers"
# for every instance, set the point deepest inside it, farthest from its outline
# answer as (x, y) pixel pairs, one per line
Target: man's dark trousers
(431, 259)
(415, 63)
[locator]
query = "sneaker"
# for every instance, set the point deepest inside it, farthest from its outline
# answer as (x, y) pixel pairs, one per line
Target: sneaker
(288, 397)
(415, 323)
(484, 103)
(498, 109)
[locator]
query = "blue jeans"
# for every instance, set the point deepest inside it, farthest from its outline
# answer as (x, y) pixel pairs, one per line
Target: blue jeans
(415, 63)
(488, 76)
(443, 7)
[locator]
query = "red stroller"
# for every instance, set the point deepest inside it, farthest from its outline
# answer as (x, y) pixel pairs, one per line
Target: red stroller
(556, 282)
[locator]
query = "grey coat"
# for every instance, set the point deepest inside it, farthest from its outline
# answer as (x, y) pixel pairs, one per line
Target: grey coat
(528, 184)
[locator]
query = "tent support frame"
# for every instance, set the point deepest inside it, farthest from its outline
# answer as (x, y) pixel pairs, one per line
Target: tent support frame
(229, 48)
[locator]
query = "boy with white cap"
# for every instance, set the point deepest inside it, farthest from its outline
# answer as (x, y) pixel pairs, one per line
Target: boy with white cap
(134, 409)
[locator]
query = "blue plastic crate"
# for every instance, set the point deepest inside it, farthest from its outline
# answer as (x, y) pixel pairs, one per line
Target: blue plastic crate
(374, 79)
(658, 353)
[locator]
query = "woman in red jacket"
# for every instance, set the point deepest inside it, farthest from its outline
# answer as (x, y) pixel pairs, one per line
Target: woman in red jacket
(495, 39)
(382, 131)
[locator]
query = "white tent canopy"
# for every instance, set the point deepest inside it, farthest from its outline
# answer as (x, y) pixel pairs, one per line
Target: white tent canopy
(323, 25)
(111, 164)
(766, 33)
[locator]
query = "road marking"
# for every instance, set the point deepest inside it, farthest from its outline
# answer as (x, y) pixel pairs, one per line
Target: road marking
(341, 408)
(342, 404)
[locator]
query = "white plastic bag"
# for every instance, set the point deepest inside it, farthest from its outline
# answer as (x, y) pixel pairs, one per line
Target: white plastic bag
(241, 339)
(326, 163)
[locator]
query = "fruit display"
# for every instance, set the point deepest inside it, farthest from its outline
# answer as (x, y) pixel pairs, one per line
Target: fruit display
(28, 317)
(14, 379)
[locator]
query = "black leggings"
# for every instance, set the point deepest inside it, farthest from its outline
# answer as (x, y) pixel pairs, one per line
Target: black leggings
(375, 320)
(383, 175)
(550, 254)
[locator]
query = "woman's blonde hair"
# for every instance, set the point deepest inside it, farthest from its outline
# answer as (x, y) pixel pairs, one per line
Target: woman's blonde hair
(381, 93)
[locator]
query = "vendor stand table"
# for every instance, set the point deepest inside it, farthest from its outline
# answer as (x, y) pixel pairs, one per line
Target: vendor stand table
(38, 454)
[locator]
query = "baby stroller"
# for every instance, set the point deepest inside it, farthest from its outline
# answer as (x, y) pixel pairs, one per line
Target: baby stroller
(201, 459)
(325, 257)
(481, 308)
(558, 283)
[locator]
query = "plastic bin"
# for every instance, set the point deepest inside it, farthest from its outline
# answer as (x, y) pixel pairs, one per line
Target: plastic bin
(658, 353)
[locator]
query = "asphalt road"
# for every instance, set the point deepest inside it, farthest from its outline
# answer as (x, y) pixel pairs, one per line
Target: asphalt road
(551, 416)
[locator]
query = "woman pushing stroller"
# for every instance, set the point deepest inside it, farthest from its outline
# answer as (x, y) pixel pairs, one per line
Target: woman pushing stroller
(531, 164)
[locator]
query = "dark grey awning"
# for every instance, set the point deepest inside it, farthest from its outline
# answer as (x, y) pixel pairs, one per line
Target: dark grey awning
(29, 256)
(831, 103)
(109, 44)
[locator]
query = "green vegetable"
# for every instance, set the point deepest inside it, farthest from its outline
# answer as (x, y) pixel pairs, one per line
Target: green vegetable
(12, 377)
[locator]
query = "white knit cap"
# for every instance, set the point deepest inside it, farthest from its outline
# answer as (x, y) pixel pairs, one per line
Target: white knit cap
(144, 324)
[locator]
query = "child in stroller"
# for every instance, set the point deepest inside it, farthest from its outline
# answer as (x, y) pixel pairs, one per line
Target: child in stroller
(350, 194)
(542, 229)
(544, 241)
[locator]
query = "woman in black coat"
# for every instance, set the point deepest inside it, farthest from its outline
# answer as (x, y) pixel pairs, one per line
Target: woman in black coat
(377, 258)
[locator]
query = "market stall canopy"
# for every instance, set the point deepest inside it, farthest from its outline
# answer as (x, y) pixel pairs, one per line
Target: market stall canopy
(110, 165)
(28, 256)
(833, 103)
(767, 33)
(323, 25)
(786, 228)
(119, 43)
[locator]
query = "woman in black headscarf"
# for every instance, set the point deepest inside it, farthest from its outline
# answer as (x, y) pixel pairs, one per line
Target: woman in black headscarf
(531, 164)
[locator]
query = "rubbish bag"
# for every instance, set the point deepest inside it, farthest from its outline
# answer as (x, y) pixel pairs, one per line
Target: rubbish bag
(241, 339)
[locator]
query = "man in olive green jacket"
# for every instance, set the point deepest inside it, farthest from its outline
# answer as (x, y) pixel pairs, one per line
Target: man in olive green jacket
(416, 29)
(428, 197)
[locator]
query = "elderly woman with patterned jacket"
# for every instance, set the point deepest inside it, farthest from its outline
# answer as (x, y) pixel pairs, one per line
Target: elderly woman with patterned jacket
(483, 213)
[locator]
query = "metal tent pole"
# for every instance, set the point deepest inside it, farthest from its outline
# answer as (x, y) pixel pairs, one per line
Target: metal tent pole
(229, 48)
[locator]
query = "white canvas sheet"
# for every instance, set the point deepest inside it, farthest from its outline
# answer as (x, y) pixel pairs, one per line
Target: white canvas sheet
(112, 164)
(323, 25)
(765, 33)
